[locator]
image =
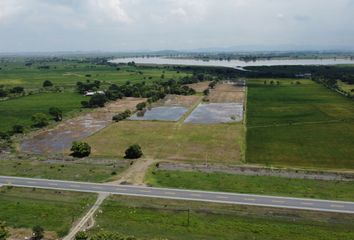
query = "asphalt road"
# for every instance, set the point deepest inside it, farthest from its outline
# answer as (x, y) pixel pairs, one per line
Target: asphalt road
(179, 194)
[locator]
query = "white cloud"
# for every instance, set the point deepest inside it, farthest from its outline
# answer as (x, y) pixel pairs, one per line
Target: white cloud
(110, 8)
(9, 8)
(181, 24)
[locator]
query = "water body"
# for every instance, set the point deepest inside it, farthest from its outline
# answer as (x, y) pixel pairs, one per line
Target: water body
(207, 113)
(232, 63)
(161, 114)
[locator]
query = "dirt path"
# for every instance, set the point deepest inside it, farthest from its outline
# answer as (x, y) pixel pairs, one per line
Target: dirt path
(135, 174)
(87, 221)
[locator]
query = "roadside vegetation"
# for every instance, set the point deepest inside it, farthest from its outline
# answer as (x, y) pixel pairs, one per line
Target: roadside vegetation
(53, 211)
(166, 219)
(267, 185)
(84, 171)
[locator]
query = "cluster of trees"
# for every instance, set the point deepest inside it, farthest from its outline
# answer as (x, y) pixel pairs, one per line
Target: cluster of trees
(121, 116)
(88, 86)
(4, 92)
(19, 90)
(153, 91)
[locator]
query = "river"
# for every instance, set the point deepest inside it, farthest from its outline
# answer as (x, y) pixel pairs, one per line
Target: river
(232, 63)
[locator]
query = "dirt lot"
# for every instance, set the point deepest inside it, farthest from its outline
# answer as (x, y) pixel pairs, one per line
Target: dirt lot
(177, 100)
(61, 137)
(24, 233)
(199, 87)
(227, 93)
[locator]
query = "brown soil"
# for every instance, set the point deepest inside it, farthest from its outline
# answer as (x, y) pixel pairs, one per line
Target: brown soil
(24, 233)
(227, 93)
(136, 173)
(199, 87)
(60, 138)
(177, 100)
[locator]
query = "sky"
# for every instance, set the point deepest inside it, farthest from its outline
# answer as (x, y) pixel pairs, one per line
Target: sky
(135, 25)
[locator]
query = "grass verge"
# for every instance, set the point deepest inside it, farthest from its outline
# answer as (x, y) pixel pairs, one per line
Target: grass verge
(277, 186)
(52, 210)
(165, 219)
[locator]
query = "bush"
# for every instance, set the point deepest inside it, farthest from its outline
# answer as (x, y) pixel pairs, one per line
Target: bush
(121, 116)
(38, 232)
(18, 128)
(40, 120)
(47, 83)
(17, 90)
(97, 100)
(4, 233)
(80, 149)
(133, 152)
(140, 106)
(206, 92)
(81, 236)
(3, 93)
(56, 113)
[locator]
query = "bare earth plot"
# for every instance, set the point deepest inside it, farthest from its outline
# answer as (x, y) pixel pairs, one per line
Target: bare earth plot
(61, 137)
(227, 93)
(199, 87)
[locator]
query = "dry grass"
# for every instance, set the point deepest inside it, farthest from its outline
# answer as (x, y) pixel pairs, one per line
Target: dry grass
(227, 93)
(219, 143)
(178, 100)
(199, 87)
(26, 233)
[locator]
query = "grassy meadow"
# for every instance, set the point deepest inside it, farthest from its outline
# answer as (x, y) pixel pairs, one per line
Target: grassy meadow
(20, 110)
(67, 171)
(304, 125)
(67, 73)
(163, 219)
(168, 140)
(52, 210)
(277, 186)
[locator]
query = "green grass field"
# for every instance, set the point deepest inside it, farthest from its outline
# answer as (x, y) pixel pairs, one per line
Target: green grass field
(67, 73)
(168, 140)
(67, 171)
(53, 210)
(163, 219)
(345, 86)
(303, 125)
(267, 185)
(20, 110)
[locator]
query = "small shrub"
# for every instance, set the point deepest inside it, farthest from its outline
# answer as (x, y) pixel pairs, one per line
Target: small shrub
(40, 120)
(18, 128)
(133, 152)
(47, 83)
(80, 149)
(140, 106)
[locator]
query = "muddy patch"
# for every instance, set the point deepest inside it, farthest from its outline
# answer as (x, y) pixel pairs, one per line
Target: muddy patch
(160, 114)
(207, 113)
(60, 138)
